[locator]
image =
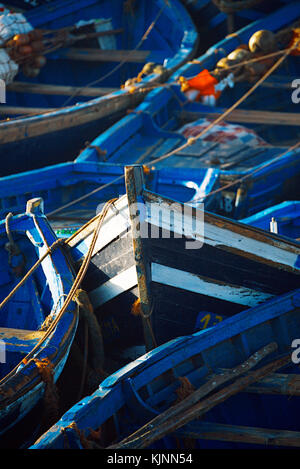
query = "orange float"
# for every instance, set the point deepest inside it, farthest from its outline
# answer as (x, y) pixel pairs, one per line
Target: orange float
(204, 82)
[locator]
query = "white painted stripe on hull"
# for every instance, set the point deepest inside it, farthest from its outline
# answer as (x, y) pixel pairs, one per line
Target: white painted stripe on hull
(178, 279)
(115, 223)
(219, 237)
(191, 282)
(184, 224)
(114, 287)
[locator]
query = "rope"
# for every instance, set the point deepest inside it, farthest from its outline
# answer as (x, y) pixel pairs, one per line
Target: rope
(87, 311)
(85, 362)
(192, 140)
(51, 399)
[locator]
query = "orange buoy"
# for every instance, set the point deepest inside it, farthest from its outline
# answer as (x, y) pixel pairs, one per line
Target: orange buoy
(204, 82)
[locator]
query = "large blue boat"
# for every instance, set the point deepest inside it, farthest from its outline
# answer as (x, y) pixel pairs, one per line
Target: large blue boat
(240, 377)
(77, 94)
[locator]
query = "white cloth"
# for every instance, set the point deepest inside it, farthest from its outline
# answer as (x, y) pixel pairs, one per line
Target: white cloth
(10, 25)
(8, 68)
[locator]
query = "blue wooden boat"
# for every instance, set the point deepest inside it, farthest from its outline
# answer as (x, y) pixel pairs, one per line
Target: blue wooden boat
(256, 170)
(77, 94)
(156, 401)
(161, 269)
(282, 219)
(36, 333)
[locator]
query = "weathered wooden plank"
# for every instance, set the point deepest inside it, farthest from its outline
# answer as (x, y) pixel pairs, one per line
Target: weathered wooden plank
(239, 434)
(62, 119)
(95, 55)
(277, 383)
(248, 117)
(48, 89)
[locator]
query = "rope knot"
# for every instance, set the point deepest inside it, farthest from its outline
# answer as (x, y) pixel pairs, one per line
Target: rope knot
(82, 299)
(191, 140)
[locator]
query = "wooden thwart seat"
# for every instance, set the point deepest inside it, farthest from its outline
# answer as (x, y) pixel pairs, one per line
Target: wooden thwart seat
(20, 340)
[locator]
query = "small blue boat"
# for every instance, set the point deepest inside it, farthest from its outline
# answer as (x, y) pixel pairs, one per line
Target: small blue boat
(77, 93)
(161, 268)
(283, 219)
(258, 164)
(241, 378)
(36, 332)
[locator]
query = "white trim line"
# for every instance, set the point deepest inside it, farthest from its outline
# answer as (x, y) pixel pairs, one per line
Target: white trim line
(191, 282)
(114, 287)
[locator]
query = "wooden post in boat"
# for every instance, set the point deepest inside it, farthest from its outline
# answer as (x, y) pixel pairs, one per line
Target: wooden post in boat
(134, 181)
